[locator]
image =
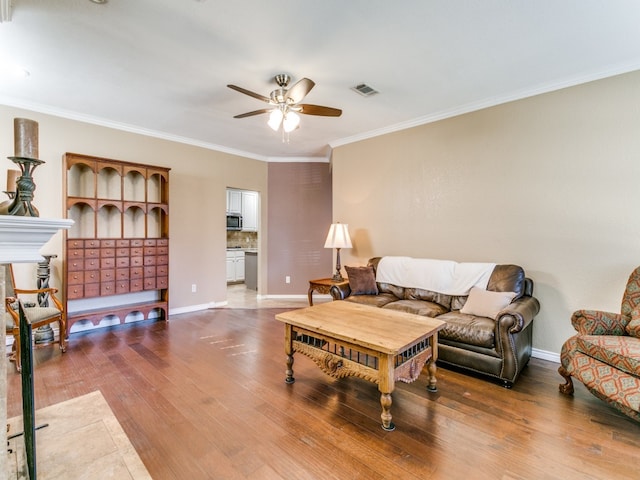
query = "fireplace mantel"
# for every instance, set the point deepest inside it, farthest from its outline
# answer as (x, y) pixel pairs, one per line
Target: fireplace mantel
(21, 239)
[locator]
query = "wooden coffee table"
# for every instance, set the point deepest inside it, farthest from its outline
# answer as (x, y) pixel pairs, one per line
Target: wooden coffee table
(379, 345)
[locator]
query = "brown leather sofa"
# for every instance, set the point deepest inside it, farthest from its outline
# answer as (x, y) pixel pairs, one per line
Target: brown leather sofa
(499, 347)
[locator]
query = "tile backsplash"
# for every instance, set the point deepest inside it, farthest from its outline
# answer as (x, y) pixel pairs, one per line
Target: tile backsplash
(242, 239)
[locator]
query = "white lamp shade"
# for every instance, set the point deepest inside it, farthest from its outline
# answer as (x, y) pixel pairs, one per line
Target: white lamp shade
(338, 236)
(275, 119)
(291, 121)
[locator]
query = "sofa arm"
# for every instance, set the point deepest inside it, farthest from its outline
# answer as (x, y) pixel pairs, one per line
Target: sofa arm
(595, 322)
(517, 315)
(340, 292)
(514, 336)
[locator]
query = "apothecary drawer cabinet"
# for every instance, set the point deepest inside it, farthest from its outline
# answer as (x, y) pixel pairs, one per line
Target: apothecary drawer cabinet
(117, 251)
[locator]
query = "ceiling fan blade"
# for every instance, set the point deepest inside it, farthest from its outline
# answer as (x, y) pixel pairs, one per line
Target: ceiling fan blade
(299, 90)
(249, 92)
(255, 112)
(319, 110)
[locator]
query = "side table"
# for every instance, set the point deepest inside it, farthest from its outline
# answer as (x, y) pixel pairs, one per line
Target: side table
(322, 285)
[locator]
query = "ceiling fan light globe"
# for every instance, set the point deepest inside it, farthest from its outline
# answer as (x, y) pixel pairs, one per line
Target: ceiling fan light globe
(291, 122)
(275, 119)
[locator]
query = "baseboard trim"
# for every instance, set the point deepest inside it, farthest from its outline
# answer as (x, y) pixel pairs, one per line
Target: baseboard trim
(284, 297)
(293, 297)
(190, 308)
(545, 355)
(218, 304)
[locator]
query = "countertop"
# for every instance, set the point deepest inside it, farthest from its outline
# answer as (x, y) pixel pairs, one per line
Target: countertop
(240, 249)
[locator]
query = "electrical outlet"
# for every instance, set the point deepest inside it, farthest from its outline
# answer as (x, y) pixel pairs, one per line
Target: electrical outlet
(287, 279)
(194, 288)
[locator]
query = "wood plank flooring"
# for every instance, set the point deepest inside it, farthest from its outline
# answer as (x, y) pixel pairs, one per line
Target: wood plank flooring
(203, 397)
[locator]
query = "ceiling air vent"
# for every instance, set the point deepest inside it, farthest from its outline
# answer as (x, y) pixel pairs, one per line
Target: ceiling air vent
(364, 90)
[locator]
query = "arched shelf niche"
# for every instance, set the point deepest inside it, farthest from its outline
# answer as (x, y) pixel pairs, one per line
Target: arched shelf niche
(81, 181)
(109, 183)
(156, 222)
(109, 221)
(84, 219)
(157, 191)
(133, 185)
(134, 222)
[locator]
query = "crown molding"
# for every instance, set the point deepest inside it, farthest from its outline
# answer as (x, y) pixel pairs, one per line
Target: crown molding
(70, 115)
(297, 160)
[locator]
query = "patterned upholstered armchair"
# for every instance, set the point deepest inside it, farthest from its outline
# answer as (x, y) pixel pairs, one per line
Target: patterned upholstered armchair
(605, 354)
(38, 316)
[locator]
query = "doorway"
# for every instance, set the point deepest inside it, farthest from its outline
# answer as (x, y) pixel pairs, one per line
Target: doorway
(242, 247)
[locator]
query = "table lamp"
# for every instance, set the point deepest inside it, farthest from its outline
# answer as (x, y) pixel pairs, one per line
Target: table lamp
(338, 238)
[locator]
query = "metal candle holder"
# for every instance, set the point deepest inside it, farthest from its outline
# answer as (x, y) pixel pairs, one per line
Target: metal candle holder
(21, 204)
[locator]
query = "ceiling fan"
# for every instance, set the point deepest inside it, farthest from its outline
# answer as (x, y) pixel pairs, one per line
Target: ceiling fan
(285, 103)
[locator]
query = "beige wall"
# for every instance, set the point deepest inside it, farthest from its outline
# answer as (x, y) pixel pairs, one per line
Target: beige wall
(198, 179)
(549, 182)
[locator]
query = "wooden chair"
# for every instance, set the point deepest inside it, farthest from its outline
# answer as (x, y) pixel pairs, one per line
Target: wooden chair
(37, 316)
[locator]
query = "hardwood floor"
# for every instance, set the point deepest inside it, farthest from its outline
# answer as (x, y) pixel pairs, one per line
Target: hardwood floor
(203, 397)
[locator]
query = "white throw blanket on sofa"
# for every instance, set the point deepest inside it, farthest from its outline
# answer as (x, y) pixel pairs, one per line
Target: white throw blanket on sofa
(442, 276)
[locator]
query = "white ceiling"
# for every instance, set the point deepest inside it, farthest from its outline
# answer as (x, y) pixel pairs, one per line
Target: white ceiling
(161, 66)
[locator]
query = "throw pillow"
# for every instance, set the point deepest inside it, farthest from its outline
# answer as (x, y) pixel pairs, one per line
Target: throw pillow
(362, 280)
(633, 327)
(484, 303)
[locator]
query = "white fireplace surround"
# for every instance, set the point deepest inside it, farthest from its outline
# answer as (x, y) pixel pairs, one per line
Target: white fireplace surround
(21, 239)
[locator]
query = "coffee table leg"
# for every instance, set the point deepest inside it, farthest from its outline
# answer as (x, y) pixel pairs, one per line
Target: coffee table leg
(386, 385)
(432, 376)
(289, 370)
(288, 349)
(385, 401)
(431, 364)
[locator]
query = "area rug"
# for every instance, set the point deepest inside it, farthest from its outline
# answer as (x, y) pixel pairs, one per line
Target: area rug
(83, 440)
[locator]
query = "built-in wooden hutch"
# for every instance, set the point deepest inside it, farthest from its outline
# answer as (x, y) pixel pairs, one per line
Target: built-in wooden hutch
(117, 251)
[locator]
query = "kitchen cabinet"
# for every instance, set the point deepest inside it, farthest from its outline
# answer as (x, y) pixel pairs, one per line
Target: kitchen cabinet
(249, 211)
(245, 203)
(234, 201)
(235, 266)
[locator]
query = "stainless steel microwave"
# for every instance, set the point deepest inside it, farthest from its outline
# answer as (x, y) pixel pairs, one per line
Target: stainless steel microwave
(234, 221)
